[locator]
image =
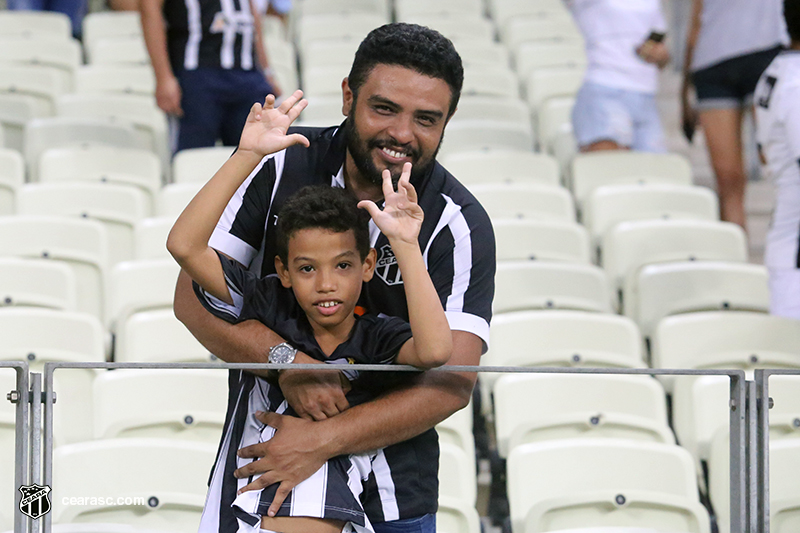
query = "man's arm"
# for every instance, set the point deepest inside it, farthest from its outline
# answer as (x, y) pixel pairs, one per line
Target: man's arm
(168, 91)
(261, 51)
(300, 447)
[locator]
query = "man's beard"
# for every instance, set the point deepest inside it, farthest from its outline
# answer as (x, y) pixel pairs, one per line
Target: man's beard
(360, 151)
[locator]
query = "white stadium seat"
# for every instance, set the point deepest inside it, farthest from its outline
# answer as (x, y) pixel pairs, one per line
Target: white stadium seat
(533, 55)
(143, 468)
(536, 28)
(527, 285)
(124, 79)
(174, 197)
(136, 286)
(456, 516)
(12, 176)
(566, 484)
(109, 24)
(354, 26)
(490, 108)
(39, 336)
(578, 406)
(35, 24)
(685, 287)
(17, 110)
(105, 164)
(490, 80)
(46, 133)
(42, 83)
(502, 166)
(322, 111)
(471, 135)
(130, 51)
(157, 337)
(457, 430)
(541, 240)
(79, 243)
(457, 477)
(324, 81)
(458, 27)
(61, 54)
(184, 404)
(407, 9)
(199, 164)
(474, 52)
(150, 238)
(37, 283)
(541, 84)
(553, 117)
(619, 167)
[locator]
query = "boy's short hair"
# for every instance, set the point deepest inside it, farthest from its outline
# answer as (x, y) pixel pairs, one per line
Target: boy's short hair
(412, 46)
(324, 207)
(791, 11)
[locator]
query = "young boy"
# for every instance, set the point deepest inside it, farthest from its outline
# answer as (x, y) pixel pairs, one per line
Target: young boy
(324, 257)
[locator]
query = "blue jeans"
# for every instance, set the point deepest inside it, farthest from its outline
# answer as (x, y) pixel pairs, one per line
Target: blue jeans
(421, 524)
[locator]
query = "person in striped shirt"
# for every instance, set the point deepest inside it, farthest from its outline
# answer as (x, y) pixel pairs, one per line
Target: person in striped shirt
(324, 258)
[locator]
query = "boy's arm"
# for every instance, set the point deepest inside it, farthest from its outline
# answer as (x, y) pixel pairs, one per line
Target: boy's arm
(400, 220)
(264, 133)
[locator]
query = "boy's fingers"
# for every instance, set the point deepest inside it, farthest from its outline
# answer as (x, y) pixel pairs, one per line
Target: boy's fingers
(287, 104)
(294, 112)
(297, 138)
(370, 206)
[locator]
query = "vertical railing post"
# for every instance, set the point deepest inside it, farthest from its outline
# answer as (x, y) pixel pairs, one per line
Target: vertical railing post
(47, 458)
(21, 398)
(36, 436)
(738, 455)
(764, 404)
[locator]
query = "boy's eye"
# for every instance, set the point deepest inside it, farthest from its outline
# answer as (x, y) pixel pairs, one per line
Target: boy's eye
(306, 268)
(343, 265)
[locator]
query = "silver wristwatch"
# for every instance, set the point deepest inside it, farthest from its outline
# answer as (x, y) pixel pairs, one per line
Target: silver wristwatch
(282, 353)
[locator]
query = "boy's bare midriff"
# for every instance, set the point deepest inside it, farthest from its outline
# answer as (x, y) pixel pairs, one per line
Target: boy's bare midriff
(300, 524)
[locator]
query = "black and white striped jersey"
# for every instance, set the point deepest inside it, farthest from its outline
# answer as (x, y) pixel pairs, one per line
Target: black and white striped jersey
(332, 492)
(210, 33)
(458, 247)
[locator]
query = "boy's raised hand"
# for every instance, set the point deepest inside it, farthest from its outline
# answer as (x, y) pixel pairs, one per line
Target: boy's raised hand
(401, 217)
(265, 129)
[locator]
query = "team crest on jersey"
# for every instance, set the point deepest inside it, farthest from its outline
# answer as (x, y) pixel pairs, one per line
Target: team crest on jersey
(35, 501)
(386, 268)
(223, 22)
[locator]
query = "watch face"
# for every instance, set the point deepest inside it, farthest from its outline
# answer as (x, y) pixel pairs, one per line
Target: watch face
(282, 353)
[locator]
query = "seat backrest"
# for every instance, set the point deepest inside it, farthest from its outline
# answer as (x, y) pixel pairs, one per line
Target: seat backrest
(123, 79)
(541, 240)
(478, 51)
(16, 110)
(40, 335)
(141, 468)
(81, 244)
(611, 204)
(543, 285)
(456, 516)
(329, 52)
(578, 406)
(37, 81)
(174, 197)
(544, 83)
(534, 28)
(457, 478)
(120, 51)
(531, 55)
(322, 111)
(117, 207)
(582, 482)
(457, 430)
(503, 11)
(63, 54)
(136, 286)
(629, 246)
(552, 117)
(109, 24)
(199, 164)
(407, 9)
(157, 337)
(35, 24)
(512, 110)
(507, 166)
(672, 288)
(150, 238)
(525, 201)
(726, 339)
(108, 164)
(490, 80)
(184, 404)
(325, 80)
(618, 167)
(458, 26)
(333, 26)
(12, 176)
(467, 135)
(37, 283)
(53, 132)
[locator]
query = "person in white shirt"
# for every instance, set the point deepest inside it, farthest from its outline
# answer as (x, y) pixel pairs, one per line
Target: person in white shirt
(777, 104)
(616, 106)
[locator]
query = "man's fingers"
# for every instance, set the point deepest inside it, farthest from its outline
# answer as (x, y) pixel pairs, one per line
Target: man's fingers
(267, 479)
(388, 188)
(280, 495)
(342, 404)
(250, 469)
(273, 420)
(317, 414)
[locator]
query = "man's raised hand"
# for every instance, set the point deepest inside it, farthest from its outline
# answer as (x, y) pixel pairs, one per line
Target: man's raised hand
(401, 217)
(266, 126)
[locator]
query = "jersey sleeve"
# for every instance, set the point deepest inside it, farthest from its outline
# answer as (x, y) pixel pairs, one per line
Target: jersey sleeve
(792, 119)
(240, 230)
(462, 264)
(385, 338)
(253, 298)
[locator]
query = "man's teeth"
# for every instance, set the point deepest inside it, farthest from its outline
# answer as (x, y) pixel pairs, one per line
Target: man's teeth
(392, 153)
(326, 304)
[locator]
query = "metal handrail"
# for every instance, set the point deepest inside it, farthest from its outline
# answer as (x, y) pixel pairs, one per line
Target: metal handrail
(743, 458)
(20, 396)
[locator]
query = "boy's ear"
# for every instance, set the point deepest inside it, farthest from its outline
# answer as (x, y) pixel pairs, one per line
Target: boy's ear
(283, 273)
(369, 264)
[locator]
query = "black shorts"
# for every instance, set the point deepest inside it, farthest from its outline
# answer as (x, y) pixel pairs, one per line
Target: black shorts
(730, 83)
